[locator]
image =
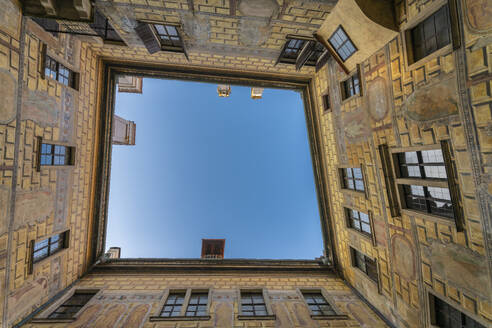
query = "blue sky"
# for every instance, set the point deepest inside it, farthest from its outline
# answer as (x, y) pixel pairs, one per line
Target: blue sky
(210, 167)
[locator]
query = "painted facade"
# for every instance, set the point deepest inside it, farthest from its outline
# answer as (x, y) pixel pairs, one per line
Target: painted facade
(442, 99)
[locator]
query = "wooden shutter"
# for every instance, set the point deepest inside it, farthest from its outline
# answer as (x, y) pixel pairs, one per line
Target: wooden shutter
(42, 59)
(148, 37)
(306, 52)
(322, 60)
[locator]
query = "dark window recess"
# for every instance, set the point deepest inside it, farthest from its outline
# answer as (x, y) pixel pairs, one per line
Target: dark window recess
(55, 155)
(342, 44)
(326, 102)
(425, 164)
(49, 246)
(358, 221)
(317, 304)
(173, 305)
(48, 24)
(365, 264)
(303, 52)
(60, 73)
(253, 304)
(197, 306)
(350, 87)
(431, 34)
(352, 178)
(446, 316)
(104, 29)
(432, 200)
(71, 306)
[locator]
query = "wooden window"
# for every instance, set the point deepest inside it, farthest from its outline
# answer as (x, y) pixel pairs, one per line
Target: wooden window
(49, 246)
(169, 37)
(72, 306)
(352, 178)
(430, 35)
(303, 51)
(317, 304)
(389, 180)
(359, 221)
(341, 43)
(173, 305)
(60, 73)
(197, 305)
(365, 264)
(350, 87)
(445, 316)
(253, 304)
(55, 155)
(427, 182)
(326, 102)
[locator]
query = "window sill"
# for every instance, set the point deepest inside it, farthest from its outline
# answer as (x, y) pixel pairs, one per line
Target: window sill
(350, 98)
(366, 277)
(438, 53)
(180, 318)
(430, 217)
(58, 167)
(258, 317)
(59, 83)
(52, 320)
(329, 317)
(352, 192)
(46, 259)
(360, 233)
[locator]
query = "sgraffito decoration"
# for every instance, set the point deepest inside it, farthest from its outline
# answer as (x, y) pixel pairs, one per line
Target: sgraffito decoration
(479, 15)
(8, 94)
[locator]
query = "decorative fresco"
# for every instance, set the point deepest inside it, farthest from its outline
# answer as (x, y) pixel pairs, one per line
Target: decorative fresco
(403, 257)
(361, 315)
(40, 107)
(377, 99)
(137, 316)
(61, 200)
(223, 309)
(23, 298)
(66, 121)
(32, 205)
(10, 17)
(4, 202)
(8, 94)
(355, 126)
(111, 316)
(432, 102)
(479, 14)
(87, 316)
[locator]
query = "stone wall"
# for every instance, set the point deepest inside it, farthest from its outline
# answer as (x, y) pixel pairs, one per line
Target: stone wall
(125, 300)
(445, 96)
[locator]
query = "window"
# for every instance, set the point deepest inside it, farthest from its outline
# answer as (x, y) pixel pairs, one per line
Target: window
(104, 29)
(253, 304)
(197, 306)
(173, 305)
(326, 102)
(49, 246)
(317, 304)
(445, 316)
(430, 35)
(358, 221)
(73, 305)
(342, 44)
(423, 179)
(169, 37)
(55, 155)
(365, 264)
(303, 51)
(60, 73)
(350, 87)
(352, 178)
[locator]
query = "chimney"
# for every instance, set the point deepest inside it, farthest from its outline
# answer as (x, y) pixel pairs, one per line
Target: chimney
(256, 93)
(113, 253)
(224, 90)
(213, 248)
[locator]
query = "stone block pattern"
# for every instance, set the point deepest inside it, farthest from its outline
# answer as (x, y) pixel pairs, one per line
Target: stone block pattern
(121, 297)
(402, 291)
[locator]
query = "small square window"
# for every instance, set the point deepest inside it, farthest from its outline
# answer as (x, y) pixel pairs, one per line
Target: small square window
(365, 264)
(169, 37)
(352, 178)
(359, 221)
(342, 44)
(317, 304)
(350, 87)
(55, 155)
(49, 246)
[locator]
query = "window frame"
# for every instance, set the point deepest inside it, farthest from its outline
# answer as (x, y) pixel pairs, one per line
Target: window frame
(343, 188)
(338, 313)
(431, 308)
(340, 27)
(182, 317)
(43, 317)
(73, 77)
(343, 94)
(269, 316)
(164, 47)
(40, 143)
(32, 243)
(376, 279)
(369, 214)
(455, 34)
(304, 53)
(450, 183)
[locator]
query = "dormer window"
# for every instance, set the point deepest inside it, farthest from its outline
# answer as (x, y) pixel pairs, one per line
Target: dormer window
(341, 43)
(302, 51)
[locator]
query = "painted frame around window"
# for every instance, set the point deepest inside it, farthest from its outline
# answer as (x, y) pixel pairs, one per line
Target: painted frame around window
(182, 317)
(43, 316)
(270, 315)
(339, 315)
